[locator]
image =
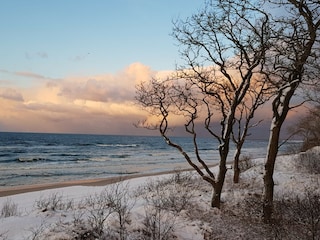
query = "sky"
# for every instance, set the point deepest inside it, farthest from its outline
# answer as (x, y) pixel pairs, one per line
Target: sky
(71, 66)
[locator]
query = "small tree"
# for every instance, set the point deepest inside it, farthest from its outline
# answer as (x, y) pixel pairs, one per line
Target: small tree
(224, 49)
(308, 128)
(256, 96)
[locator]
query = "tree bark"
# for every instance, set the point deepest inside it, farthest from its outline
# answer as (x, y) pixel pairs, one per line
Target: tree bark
(217, 190)
(236, 169)
(216, 196)
(269, 169)
(236, 160)
(217, 187)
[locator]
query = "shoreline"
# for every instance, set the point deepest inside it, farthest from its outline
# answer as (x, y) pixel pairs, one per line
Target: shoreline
(86, 182)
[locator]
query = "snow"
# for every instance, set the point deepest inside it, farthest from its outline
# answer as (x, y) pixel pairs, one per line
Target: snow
(31, 222)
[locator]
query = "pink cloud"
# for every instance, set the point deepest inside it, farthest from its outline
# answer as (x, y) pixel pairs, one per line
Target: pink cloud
(30, 75)
(11, 94)
(95, 104)
(107, 88)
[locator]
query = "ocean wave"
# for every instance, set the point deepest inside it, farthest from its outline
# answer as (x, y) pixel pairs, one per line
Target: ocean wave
(51, 144)
(83, 144)
(65, 155)
(117, 145)
(30, 159)
(19, 151)
(99, 159)
(120, 156)
(10, 160)
(123, 172)
(5, 154)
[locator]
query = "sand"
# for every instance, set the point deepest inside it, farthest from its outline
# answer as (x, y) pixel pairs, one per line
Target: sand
(91, 182)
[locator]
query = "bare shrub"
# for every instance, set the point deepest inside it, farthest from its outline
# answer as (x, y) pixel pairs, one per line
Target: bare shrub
(37, 233)
(100, 216)
(298, 216)
(175, 192)
(307, 212)
(246, 163)
(53, 202)
(113, 202)
(182, 177)
(309, 161)
(77, 229)
(9, 208)
(98, 211)
(308, 127)
(294, 217)
(78, 217)
(3, 236)
(164, 199)
(250, 207)
(121, 205)
(292, 148)
(159, 223)
(85, 233)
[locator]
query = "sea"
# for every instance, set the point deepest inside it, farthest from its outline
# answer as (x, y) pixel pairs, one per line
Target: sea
(33, 158)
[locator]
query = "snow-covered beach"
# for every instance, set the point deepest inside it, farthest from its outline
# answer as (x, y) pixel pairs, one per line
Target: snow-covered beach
(70, 212)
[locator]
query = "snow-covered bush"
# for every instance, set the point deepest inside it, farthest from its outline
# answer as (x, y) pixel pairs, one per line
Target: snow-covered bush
(309, 161)
(121, 204)
(175, 193)
(246, 163)
(55, 201)
(298, 216)
(164, 200)
(159, 223)
(108, 213)
(3, 236)
(9, 208)
(38, 232)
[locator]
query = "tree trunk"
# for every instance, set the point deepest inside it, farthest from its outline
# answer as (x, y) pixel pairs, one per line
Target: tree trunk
(217, 187)
(236, 169)
(236, 173)
(216, 195)
(269, 169)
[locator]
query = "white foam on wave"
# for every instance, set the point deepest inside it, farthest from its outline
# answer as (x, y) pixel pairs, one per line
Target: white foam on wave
(30, 159)
(117, 145)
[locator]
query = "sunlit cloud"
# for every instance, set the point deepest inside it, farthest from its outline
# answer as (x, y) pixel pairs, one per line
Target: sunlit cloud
(26, 74)
(30, 75)
(11, 94)
(102, 104)
(94, 104)
(105, 88)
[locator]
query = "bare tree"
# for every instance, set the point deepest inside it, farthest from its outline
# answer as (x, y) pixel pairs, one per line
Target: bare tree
(224, 49)
(308, 127)
(257, 95)
(293, 59)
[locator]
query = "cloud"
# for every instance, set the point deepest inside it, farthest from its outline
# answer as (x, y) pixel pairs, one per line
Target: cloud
(79, 58)
(107, 88)
(11, 94)
(42, 54)
(102, 103)
(4, 71)
(91, 89)
(26, 74)
(30, 75)
(39, 54)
